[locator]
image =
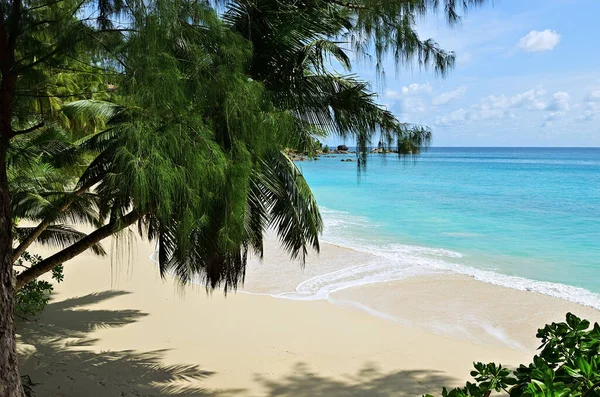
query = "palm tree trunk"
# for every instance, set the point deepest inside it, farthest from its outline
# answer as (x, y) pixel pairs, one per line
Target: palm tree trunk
(10, 381)
(72, 251)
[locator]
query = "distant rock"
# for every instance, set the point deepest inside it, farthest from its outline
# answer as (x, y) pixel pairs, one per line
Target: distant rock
(342, 148)
(347, 160)
(295, 157)
(382, 151)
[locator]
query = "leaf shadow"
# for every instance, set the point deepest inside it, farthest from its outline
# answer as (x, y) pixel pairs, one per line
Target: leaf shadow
(57, 353)
(370, 381)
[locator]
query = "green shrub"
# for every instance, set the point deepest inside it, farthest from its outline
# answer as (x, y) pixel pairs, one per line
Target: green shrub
(34, 296)
(567, 365)
(326, 149)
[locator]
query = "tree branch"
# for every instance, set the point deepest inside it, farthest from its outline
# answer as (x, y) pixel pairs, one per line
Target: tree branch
(39, 229)
(588, 391)
(353, 6)
(39, 60)
(43, 5)
(55, 96)
(30, 129)
(72, 251)
(116, 30)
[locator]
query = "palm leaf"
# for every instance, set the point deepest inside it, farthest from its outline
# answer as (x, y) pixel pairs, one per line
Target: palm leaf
(60, 236)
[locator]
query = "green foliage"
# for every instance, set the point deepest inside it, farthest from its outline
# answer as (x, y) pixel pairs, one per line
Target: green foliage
(568, 365)
(326, 149)
(175, 113)
(34, 296)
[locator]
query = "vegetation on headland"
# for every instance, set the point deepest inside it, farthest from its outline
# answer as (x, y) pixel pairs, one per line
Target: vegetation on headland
(568, 366)
(173, 116)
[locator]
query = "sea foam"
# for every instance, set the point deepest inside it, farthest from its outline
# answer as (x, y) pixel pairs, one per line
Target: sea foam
(394, 262)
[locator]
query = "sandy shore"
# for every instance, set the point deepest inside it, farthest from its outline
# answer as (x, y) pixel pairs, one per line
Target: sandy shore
(121, 331)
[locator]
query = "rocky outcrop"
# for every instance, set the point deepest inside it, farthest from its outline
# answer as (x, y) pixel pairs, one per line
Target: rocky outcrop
(382, 151)
(342, 148)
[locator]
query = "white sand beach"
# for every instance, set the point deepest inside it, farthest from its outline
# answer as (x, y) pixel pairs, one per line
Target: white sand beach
(119, 330)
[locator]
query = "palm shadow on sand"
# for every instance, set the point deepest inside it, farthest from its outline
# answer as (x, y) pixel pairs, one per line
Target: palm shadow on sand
(51, 355)
(369, 381)
(58, 368)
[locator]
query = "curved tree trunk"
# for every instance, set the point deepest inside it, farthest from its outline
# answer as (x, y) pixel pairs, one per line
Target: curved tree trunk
(10, 381)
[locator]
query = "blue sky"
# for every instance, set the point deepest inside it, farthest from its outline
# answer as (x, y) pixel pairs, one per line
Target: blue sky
(527, 74)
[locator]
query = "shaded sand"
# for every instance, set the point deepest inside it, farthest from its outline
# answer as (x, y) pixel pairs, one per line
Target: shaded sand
(127, 333)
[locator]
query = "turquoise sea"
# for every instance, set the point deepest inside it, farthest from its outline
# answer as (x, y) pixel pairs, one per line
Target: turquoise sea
(525, 218)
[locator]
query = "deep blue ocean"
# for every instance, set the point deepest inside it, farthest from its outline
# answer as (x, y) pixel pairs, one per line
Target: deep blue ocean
(526, 218)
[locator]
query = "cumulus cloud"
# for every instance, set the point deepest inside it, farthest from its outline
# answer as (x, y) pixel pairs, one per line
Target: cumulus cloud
(536, 41)
(447, 97)
(411, 89)
(416, 89)
(502, 107)
(412, 105)
(457, 117)
(593, 97)
(531, 100)
(557, 109)
(560, 102)
(461, 116)
(592, 106)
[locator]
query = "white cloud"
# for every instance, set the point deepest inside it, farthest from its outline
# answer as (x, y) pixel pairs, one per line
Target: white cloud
(557, 109)
(592, 106)
(560, 102)
(412, 105)
(416, 89)
(551, 117)
(593, 96)
(447, 97)
(502, 107)
(536, 41)
(411, 89)
(461, 116)
(531, 100)
(457, 117)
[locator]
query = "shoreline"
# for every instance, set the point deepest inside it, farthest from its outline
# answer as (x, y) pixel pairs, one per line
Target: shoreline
(118, 329)
(130, 333)
(473, 310)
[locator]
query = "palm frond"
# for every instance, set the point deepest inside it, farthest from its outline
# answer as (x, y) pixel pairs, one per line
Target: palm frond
(60, 236)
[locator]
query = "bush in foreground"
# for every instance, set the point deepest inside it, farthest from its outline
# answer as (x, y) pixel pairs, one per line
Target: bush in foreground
(568, 365)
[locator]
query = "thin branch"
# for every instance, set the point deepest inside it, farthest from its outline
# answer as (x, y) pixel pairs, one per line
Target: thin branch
(588, 391)
(353, 6)
(77, 8)
(30, 239)
(55, 96)
(40, 60)
(30, 129)
(75, 249)
(109, 51)
(116, 30)
(43, 5)
(42, 22)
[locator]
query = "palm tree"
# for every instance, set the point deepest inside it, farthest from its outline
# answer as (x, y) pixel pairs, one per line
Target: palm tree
(200, 169)
(177, 121)
(293, 46)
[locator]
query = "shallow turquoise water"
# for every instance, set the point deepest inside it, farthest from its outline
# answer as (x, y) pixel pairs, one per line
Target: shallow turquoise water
(532, 213)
